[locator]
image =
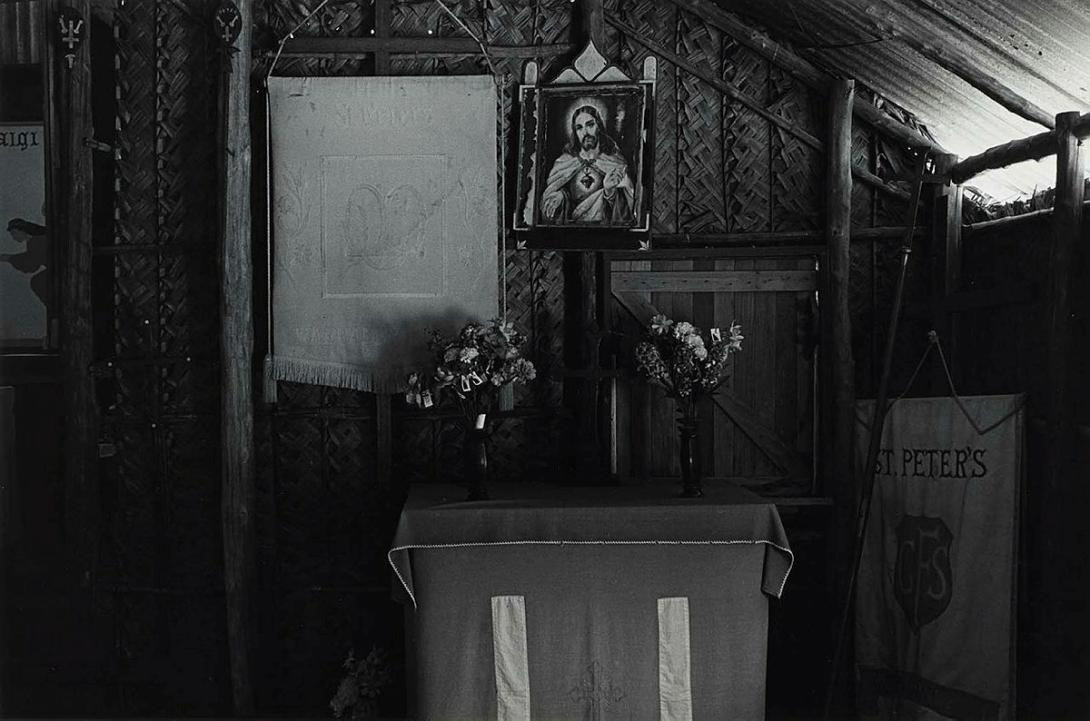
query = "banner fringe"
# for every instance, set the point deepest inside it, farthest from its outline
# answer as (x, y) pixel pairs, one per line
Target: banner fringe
(338, 375)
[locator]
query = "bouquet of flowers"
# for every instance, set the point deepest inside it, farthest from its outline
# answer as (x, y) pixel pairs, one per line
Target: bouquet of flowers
(676, 356)
(471, 367)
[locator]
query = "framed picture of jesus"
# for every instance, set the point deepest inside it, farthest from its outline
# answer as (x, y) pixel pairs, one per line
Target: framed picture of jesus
(588, 146)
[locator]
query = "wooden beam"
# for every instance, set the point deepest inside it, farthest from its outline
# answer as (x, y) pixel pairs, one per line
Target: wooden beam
(238, 502)
(802, 69)
(875, 182)
(639, 308)
(359, 46)
(70, 183)
(1034, 147)
(981, 78)
(382, 32)
(1009, 220)
(715, 281)
(749, 422)
(728, 89)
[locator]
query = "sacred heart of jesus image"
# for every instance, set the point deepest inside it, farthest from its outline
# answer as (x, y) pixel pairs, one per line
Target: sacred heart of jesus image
(922, 578)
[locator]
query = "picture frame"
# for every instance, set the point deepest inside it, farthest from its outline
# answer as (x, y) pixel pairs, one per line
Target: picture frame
(572, 187)
(591, 141)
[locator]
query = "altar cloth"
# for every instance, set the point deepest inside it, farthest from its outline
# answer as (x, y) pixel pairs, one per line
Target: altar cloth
(602, 603)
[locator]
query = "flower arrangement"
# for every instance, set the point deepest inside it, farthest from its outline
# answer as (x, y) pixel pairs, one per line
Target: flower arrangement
(363, 682)
(471, 367)
(676, 356)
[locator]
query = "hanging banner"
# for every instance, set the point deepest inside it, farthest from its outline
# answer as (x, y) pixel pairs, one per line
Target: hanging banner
(936, 594)
(384, 212)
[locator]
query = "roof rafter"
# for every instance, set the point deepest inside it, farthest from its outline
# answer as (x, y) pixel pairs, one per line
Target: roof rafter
(733, 92)
(944, 50)
(802, 69)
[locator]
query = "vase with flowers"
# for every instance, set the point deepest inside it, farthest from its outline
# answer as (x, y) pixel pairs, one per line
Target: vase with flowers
(469, 369)
(676, 356)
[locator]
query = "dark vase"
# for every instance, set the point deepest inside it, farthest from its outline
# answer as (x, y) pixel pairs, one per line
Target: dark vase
(688, 426)
(475, 463)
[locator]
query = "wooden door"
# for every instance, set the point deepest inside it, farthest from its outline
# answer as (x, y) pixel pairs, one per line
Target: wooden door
(759, 428)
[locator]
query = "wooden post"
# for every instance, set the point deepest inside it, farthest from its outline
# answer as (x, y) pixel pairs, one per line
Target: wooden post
(839, 406)
(589, 446)
(1067, 229)
(69, 186)
(237, 347)
(945, 264)
(841, 423)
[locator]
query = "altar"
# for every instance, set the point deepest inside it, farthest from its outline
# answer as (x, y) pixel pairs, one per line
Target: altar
(598, 603)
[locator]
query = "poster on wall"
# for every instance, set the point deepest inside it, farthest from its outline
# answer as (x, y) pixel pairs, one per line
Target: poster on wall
(385, 223)
(936, 595)
(25, 260)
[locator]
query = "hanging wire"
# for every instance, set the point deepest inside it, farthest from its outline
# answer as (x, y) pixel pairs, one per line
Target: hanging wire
(933, 342)
(501, 85)
(290, 35)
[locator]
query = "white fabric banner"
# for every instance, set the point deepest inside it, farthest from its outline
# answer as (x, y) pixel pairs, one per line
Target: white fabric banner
(936, 594)
(384, 210)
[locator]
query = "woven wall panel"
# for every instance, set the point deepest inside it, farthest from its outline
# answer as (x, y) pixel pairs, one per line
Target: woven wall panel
(509, 22)
(420, 18)
(191, 529)
(862, 194)
(190, 387)
(136, 303)
(657, 20)
(553, 24)
(185, 112)
(699, 126)
(186, 327)
(129, 512)
(746, 137)
(865, 351)
(135, 94)
(337, 17)
(796, 168)
(546, 344)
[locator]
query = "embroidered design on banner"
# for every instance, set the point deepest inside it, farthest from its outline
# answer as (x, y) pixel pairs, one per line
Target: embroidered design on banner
(922, 579)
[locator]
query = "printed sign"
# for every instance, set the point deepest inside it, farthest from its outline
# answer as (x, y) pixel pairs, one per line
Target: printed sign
(25, 261)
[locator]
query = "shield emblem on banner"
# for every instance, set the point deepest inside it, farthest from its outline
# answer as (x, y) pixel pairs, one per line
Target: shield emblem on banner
(922, 578)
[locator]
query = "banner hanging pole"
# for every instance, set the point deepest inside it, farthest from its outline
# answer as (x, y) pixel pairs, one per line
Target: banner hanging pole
(877, 422)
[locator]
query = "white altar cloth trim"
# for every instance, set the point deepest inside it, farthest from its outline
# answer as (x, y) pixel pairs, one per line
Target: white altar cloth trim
(511, 658)
(675, 686)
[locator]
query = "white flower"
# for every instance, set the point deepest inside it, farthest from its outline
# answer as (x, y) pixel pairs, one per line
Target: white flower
(683, 329)
(660, 324)
(468, 354)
